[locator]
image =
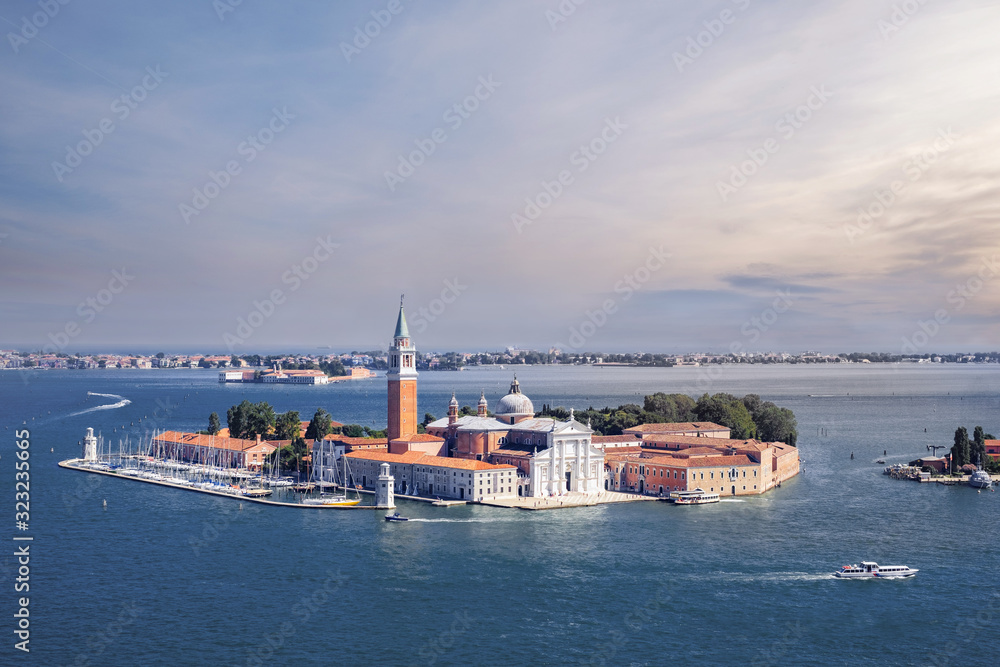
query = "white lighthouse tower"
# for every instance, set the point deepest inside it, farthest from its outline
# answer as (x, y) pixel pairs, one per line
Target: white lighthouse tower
(383, 492)
(90, 446)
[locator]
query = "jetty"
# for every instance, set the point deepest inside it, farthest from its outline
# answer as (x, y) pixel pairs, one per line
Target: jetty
(249, 495)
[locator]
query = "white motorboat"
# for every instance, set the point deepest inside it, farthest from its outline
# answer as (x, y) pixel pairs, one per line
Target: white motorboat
(696, 497)
(980, 480)
(869, 570)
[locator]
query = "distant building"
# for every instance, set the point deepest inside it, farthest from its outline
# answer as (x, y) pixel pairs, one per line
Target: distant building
(993, 448)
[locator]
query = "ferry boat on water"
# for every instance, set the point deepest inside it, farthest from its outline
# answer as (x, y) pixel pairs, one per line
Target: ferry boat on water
(696, 497)
(869, 569)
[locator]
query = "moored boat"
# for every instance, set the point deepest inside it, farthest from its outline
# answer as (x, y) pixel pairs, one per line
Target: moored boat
(980, 480)
(332, 500)
(870, 569)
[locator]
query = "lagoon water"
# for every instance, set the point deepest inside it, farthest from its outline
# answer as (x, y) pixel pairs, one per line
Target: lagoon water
(169, 577)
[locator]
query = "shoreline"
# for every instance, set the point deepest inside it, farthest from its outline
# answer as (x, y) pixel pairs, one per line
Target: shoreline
(528, 504)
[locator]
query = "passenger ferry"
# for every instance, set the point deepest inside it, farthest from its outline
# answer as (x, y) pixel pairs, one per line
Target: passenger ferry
(868, 569)
(696, 497)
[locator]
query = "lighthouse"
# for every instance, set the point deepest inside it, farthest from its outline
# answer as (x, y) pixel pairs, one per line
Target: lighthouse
(384, 498)
(90, 446)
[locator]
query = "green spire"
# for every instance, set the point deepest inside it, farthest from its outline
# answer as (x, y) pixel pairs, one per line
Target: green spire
(401, 329)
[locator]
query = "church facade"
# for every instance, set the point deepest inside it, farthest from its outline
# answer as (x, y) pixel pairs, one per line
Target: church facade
(553, 458)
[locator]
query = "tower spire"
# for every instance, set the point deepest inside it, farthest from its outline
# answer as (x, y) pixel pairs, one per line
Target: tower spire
(402, 331)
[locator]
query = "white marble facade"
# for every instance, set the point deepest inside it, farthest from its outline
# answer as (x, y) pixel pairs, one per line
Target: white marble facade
(570, 464)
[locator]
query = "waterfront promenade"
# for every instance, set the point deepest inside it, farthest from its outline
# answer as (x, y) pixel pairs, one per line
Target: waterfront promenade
(568, 500)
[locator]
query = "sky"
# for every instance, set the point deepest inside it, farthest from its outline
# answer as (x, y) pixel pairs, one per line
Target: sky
(738, 175)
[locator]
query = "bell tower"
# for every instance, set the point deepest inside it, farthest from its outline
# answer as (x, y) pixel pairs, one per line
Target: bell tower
(402, 377)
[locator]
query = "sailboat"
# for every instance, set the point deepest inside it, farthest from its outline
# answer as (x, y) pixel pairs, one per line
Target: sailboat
(336, 500)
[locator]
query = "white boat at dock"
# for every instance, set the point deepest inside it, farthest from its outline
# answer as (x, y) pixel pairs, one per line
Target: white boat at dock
(870, 570)
(980, 480)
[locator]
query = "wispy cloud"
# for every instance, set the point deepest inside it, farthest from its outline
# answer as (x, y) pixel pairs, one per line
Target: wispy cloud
(657, 185)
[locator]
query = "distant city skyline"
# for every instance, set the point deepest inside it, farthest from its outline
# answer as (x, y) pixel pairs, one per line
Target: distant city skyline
(614, 177)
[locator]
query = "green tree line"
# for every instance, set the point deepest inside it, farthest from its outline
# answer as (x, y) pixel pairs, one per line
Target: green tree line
(747, 417)
(972, 452)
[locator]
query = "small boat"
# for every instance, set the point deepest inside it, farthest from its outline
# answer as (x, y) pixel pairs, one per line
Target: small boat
(880, 461)
(696, 497)
(396, 517)
(980, 480)
(440, 503)
(869, 570)
(340, 501)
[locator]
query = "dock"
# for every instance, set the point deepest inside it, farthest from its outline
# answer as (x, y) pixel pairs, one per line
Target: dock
(71, 464)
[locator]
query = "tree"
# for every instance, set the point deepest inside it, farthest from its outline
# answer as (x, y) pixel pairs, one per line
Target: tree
(213, 424)
(333, 368)
(248, 420)
(729, 411)
(960, 450)
(776, 424)
(160, 355)
(428, 418)
(320, 426)
(288, 426)
(236, 418)
(669, 407)
(353, 431)
(260, 421)
(978, 448)
(292, 454)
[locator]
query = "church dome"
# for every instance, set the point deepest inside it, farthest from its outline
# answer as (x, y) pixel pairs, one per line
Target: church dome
(515, 404)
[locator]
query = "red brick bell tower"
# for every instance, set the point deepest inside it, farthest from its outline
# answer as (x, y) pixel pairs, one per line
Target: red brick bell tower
(402, 377)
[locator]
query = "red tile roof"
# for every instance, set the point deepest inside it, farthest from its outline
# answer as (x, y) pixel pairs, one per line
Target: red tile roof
(420, 437)
(676, 427)
(419, 458)
(205, 441)
(598, 439)
(700, 462)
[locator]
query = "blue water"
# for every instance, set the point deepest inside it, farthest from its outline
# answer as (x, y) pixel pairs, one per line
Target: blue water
(169, 577)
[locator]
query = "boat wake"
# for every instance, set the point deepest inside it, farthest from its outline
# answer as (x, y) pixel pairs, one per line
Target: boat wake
(459, 520)
(775, 577)
(110, 406)
(731, 500)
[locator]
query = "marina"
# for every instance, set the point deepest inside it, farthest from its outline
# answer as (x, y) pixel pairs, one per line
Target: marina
(214, 490)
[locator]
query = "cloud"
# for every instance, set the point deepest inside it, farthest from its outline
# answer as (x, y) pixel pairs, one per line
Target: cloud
(786, 226)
